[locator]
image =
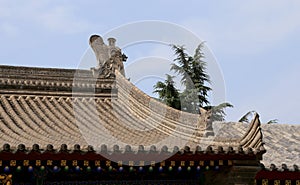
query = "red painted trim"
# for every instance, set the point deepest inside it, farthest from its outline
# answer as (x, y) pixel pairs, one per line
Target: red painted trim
(278, 175)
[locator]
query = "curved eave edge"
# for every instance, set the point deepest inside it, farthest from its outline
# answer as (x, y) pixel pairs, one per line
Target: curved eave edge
(253, 138)
(157, 106)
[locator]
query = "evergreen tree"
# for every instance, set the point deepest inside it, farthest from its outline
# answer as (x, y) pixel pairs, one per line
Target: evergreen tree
(218, 112)
(194, 78)
(167, 92)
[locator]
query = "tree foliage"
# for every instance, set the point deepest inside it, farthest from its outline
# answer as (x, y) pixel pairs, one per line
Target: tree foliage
(245, 118)
(194, 77)
(192, 70)
(168, 93)
(218, 112)
(272, 121)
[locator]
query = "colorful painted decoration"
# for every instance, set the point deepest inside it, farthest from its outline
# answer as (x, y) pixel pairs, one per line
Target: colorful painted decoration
(179, 169)
(19, 169)
(150, 169)
(131, 169)
(77, 169)
(141, 169)
(160, 169)
(66, 168)
(189, 168)
(55, 169)
(6, 169)
(88, 169)
(30, 169)
(42, 168)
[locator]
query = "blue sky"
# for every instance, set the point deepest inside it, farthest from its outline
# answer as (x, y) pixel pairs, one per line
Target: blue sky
(255, 43)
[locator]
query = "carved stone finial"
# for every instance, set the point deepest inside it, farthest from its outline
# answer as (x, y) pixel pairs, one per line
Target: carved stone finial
(112, 42)
(109, 57)
(100, 49)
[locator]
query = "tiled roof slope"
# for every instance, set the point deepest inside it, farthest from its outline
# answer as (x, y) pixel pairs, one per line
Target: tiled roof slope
(282, 141)
(61, 106)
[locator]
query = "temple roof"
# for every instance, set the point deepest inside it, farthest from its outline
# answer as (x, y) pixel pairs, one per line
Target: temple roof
(67, 106)
(281, 141)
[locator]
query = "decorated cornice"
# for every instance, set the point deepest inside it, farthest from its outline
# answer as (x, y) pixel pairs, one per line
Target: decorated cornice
(32, 80)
